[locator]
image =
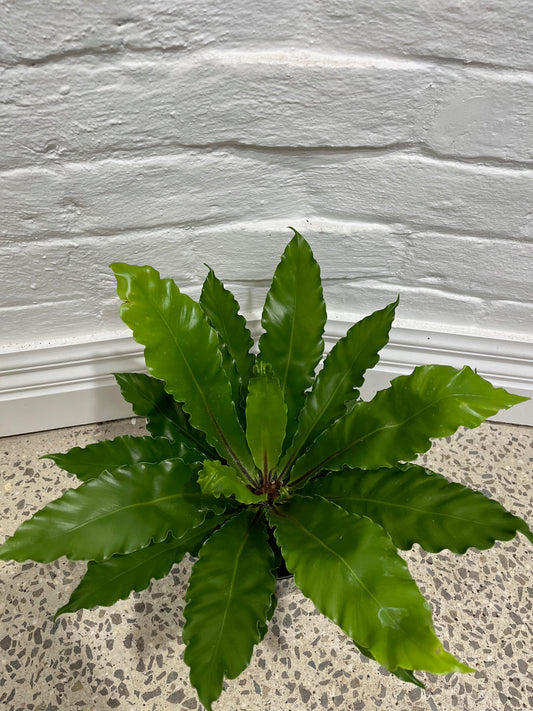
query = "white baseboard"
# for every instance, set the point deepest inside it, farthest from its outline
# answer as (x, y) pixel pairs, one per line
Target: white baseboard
(62, 386)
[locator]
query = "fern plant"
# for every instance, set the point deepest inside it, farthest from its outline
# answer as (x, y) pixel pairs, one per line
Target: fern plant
(254, 463)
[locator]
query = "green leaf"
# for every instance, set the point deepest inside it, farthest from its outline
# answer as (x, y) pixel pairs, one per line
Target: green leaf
(402, 674)
(415, 505)
(89, 462)
(118, 512)
(217, 480)
(343, 372)
(114, 579)
(293, 319)
(357, 579)
(164, 416)
(263, 626)
(181, 348)
(222, 311)
(434, 401)
(266, 419)
(228, 602)
(408, 676)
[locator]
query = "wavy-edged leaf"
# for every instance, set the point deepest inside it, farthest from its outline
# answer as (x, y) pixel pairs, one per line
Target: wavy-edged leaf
(228, 602)
(216, 479)
(118, 512)
(266, 419)
(415, 505)
(293, 319)
(181, 348)
(164, 416)
(89, 462)
(263, 626)
(222, 311)
(343, 372)
(115, 579)
(359, 581)
(397, 424)
(400, 673)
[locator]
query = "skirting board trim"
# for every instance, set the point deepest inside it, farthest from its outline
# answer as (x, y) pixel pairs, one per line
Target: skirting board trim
(67, 385)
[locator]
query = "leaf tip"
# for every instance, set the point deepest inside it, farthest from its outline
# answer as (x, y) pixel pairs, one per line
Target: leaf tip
(520, 398)
(61, 611)
(524, 529)
(298, 238)
(468, 670)
(456, 666)
(119, 268)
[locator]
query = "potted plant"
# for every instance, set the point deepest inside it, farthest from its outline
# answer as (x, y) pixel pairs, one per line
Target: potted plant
(254, 462)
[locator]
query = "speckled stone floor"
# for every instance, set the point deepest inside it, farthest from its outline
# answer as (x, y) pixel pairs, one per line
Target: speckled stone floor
(129, 656)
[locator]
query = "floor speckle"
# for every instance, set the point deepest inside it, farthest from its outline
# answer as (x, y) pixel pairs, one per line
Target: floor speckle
(130, 656)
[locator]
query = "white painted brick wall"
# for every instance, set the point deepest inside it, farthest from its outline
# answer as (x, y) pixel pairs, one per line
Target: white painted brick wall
(264, 98)
(398, 139)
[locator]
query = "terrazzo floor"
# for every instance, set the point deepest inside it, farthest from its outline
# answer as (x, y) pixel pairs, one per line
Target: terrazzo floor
(129, 656)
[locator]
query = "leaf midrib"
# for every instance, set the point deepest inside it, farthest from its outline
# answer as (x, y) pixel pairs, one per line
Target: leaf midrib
(229, 596)
(123, 574)
(184, 359)
(115, 512)
(343, 560)
(240, 333)
(218, 429)
(290, 350)
(320, 413)
(352, 360)
(382, 429)
(400, 506)
(172, 546)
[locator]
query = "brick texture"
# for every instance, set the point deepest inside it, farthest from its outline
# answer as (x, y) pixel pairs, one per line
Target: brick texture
(398, 139)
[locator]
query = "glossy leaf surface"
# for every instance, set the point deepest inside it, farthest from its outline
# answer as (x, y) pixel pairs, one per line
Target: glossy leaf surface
(181, 348)
(293, 319)
(118, 512)
(89, 462)
(266, 419)
(358, 580)
(164, 416)
(216, 479)
(114, 579)
(226, 424)
(343, 372)
(434, 401)
(415, 505)
(228, 601)
(222, 311)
